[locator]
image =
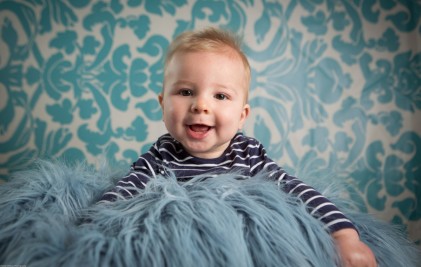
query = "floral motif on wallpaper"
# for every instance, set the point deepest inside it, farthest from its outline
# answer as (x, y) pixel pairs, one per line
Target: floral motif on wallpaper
(336, 85)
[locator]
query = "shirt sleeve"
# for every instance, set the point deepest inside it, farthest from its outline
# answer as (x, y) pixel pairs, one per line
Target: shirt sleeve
(140, 173)
(318, 205)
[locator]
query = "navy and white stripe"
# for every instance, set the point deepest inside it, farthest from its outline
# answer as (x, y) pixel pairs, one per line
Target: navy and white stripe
(245, 155)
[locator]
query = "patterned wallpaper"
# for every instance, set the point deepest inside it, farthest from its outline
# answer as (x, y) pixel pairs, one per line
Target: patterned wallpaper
(336, 86)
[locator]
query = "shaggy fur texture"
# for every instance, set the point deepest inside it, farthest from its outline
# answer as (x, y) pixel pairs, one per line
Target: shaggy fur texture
(50, 218)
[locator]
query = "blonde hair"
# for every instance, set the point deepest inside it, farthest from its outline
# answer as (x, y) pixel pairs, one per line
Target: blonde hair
(208, 40)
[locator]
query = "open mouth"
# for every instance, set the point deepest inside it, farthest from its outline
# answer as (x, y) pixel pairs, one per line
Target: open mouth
(200, 128)
(198, 131)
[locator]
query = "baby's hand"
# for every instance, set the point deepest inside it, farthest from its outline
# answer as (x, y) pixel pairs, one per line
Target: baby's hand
(352, 251)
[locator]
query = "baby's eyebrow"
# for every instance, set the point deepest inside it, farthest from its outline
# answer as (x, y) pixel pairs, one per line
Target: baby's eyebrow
(183, 82)
(223, 86)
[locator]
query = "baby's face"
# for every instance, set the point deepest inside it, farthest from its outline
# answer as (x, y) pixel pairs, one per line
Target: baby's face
(204, 101)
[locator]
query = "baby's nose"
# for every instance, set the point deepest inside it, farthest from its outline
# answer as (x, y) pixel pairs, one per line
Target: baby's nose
(199, 105)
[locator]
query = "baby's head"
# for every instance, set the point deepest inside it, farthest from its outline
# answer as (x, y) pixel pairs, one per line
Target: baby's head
(209, 40)
(206, 83)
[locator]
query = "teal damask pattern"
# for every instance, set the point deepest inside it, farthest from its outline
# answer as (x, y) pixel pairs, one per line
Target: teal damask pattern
(336, 86)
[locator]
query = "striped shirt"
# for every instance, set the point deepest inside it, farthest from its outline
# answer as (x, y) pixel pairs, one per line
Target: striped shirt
(244, 155)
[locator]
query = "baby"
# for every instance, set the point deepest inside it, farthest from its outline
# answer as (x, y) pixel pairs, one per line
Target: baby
(205, 103)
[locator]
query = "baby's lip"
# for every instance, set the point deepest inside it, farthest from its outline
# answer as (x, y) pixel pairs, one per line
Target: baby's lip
(198, 131)
(199, 127)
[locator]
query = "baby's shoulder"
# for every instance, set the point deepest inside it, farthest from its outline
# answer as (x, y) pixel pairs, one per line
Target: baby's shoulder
(242, 139)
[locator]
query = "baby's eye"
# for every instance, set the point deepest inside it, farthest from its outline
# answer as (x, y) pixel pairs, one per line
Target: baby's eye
(185, 92)
(221, 97)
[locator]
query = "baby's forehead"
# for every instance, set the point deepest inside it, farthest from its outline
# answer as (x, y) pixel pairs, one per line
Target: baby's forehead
(227, 51)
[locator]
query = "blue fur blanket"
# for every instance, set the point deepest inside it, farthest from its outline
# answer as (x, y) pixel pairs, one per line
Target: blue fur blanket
(49, 217)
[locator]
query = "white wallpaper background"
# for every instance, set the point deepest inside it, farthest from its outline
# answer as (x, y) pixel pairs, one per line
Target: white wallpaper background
(336, 86)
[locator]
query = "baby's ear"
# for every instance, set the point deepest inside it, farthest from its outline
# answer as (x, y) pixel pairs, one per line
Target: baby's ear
(244, 114)
(160, 99)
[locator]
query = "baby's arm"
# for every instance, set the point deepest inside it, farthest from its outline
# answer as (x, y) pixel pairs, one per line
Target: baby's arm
(317, 204)
(127, 187)
(352, 250)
